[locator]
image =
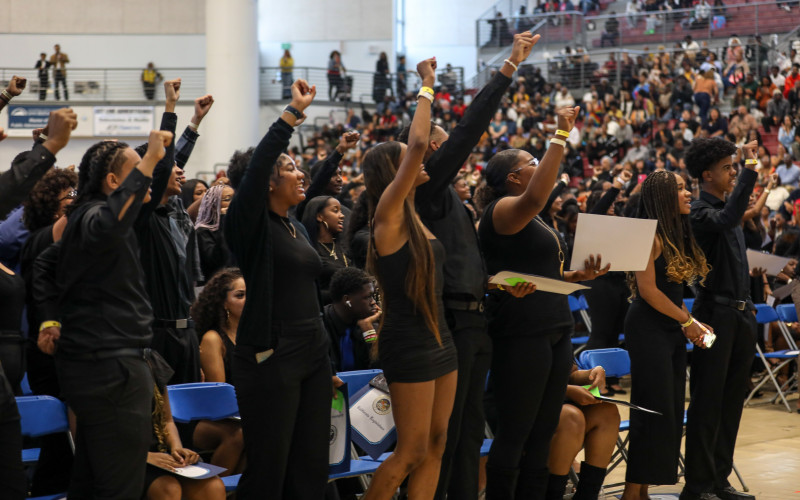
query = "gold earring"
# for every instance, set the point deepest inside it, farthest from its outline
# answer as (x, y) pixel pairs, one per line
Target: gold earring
(227, 316)
(326, 225)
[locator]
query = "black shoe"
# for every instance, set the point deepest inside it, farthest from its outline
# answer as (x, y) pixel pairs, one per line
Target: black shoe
(730, 493)
(685, 495)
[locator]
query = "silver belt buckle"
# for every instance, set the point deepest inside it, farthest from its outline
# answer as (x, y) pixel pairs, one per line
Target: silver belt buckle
(181, 323)
(741, 305)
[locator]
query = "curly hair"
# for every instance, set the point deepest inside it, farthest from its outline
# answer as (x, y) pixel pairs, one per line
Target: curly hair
(208, 311)
(44, 200)
(702, 154)
(237, 165)
(346, 281)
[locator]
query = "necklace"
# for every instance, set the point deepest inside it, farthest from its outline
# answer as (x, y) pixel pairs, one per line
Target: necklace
(558, 242)
(332, 252)
(289, 227)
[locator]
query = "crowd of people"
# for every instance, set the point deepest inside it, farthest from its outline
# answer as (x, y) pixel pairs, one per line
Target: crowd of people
(373, 248)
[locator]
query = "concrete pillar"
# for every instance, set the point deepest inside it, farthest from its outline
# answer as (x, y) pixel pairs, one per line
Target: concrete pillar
(232, 77)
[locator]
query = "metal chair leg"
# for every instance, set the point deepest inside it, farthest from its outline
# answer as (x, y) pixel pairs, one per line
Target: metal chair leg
(739, 476)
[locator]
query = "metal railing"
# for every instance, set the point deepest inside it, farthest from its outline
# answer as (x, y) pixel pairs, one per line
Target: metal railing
(661, 27)
(124, 85)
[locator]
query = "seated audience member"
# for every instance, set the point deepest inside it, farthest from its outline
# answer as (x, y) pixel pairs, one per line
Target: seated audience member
(350, 319)
(777, 108)
(167, 452)
(586, 423)
(324, 221)
(217, 312)
(214, 253)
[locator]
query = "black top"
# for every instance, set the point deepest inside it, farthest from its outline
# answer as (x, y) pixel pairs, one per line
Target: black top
(440, 208)
(12, 301)
(269, 257)
(337, 330)
(533, 250)
(358, 247)
(38, 241)
(92, 280)
(25, 172)
(673, 291)
(717, 227)
(214, 252)
(330, 265)
(162, 242)
(227, 360)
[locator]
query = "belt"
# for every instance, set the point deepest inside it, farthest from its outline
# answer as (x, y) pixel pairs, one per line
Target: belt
(122, 352)
(739, 305)
(180, 324)
(464, 305)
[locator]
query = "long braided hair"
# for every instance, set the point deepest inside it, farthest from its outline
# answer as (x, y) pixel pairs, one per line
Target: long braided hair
(210, 212)
(685, 260)
(380, 168)
(97, 162)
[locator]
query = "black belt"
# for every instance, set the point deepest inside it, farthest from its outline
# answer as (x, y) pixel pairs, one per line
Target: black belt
(122, 352)
(180, 324)
(739, 305)
(464, 305)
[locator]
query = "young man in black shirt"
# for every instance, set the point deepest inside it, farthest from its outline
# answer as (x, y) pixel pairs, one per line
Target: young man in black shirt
(719, 373)
(465, 281)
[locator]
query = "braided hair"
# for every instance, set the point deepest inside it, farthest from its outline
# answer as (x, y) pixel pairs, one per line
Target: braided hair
(210, 212)
(685, 260)
(97, 162)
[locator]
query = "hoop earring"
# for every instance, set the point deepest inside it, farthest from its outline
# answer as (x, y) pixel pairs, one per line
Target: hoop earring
(348, 303)
(227, 316)
(326, 225)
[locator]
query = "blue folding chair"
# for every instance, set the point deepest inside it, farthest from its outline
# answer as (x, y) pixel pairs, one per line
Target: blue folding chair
(615, 361)
(689, 303)
(202, 401)
(783, 314)
(25, 386)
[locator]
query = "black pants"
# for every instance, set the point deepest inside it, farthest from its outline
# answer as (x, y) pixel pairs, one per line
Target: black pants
(460, 462)
(718, 386)
(112, 399)
(13, 485)
(529, 376)
(658, 382)
(54, 468)
(149, 90)
(285, 404)
(180, 349)
(44, 83)
(60, 76)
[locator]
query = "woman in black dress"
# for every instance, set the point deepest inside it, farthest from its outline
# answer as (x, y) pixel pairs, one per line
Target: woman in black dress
(415, 348)
(324, 220)
(532, 353)
(280, 368)
(656, 329)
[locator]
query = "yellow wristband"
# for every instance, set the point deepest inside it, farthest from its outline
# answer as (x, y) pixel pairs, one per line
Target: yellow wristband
(427, 89)
(426, 95)
(688, 323)
(562, 133)
(500, 287)
(48, 324)
(560, 142)
(751, 161)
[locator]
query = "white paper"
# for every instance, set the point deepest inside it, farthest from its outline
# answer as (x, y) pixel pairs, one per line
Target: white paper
(772, 263)
(625, 243)
(508, 278)
(371, 416)
(190, 471)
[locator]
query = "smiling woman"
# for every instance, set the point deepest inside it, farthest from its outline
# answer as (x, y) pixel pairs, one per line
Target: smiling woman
(324, 220)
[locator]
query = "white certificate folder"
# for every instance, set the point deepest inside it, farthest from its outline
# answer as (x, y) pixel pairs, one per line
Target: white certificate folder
(508, 278)
(625, 243)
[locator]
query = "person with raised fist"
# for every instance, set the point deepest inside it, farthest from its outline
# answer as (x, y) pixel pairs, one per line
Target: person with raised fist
(90, 295)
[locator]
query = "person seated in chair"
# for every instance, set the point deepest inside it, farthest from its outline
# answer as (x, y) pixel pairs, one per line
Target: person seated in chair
(587, 423)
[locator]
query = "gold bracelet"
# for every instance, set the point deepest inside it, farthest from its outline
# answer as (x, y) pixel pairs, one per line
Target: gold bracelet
(688, 323)
(562, 133)
(48, 324)
(560, 142)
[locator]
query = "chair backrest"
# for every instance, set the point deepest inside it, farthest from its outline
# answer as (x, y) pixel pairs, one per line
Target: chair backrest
(766, 314)
(202, 401)
(615, 361)
(357, 379)
(574, 303)
(42, 415)
(25, 386)
(584, 304)
(787, 313)
(689, 303)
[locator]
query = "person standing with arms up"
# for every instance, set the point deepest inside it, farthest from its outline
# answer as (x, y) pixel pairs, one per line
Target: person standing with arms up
(720, 374)
(59, 62)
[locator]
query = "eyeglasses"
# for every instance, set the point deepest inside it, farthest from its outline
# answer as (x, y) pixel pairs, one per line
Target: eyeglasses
(71, 195)
(533, 163)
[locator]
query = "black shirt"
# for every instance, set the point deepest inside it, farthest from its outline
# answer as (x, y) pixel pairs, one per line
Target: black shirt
(533, 250)
(36, 243)
(440, 208)
(266, 252)
(92, 280)
(337, 329)
(717, 227)
(214, 252)
(25, 172)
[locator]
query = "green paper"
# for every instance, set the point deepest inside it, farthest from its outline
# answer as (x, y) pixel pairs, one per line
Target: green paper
(515, 281)
(595, 392)
(338, 403)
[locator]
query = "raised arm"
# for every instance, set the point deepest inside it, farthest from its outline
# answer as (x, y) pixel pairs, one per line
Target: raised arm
(762, 199)
(513, 213)
(608, 198)
(730, 216)
(562, 184)
(15, 87)
(185, 145)
(389, 212)
(328, 170)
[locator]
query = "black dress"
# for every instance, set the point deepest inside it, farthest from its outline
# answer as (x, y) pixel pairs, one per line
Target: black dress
(407, 349)
(657, 349)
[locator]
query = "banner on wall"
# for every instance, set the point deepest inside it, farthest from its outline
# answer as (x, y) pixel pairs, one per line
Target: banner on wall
(29, 117)
(123, 121)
